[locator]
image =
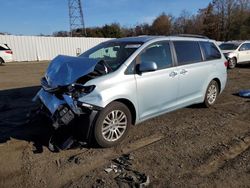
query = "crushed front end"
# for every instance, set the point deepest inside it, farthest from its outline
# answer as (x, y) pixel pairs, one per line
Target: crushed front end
(62, 87)
(63, 106)
(68, 115)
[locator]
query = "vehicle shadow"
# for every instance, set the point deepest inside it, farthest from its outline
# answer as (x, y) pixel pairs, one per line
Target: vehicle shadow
(15, 104)
(196, 106)
(244, 66)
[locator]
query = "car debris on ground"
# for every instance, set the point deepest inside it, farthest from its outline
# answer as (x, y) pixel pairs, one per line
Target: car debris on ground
(61, 138)
(75, 159)
(244, 93)
(126, 175)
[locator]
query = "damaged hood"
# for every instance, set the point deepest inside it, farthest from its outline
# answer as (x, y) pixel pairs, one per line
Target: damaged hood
(64, 70)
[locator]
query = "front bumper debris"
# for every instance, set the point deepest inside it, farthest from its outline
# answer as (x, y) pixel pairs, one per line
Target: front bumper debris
(53, 103)
(65, 112)
(62, 116)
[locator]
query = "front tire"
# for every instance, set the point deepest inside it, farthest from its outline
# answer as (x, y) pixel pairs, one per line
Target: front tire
(112, 124)
(211, 94)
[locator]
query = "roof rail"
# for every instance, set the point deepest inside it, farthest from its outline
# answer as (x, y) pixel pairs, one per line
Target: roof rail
(236, 41)
(191, 35)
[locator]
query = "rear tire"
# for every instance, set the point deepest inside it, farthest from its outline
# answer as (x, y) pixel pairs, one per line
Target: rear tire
(211, 94)
(1, 61)
(232, 63)
(112, 125)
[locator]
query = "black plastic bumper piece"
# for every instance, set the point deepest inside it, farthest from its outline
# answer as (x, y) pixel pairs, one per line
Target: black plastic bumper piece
(63, 116)
(81, 125)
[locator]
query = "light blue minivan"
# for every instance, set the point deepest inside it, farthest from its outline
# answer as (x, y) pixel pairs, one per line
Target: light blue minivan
(123, 82)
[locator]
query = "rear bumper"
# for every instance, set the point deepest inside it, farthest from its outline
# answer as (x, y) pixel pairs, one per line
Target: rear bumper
(7, 59)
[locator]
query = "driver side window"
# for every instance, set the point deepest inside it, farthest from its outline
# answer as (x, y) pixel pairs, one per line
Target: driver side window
(159, 53)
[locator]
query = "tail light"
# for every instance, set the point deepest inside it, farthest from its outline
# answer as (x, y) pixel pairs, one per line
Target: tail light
(226, 63)
(8, 52)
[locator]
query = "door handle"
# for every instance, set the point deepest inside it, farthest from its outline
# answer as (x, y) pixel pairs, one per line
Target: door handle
(173, 74)
(183, 71)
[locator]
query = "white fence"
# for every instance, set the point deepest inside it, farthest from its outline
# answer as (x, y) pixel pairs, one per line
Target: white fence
(35, 48)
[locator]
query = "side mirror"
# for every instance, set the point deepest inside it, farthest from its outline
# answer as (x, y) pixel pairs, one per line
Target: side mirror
(147, 66)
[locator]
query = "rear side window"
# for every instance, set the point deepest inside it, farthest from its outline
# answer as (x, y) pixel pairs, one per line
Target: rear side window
(210, 51)
(187, 52)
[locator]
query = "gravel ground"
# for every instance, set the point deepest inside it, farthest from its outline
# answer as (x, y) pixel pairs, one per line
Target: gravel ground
(191, 147)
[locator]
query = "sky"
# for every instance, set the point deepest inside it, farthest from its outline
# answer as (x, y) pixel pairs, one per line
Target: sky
(34, 17)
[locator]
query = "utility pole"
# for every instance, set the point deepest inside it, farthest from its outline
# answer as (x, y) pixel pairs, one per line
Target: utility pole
(76, 17)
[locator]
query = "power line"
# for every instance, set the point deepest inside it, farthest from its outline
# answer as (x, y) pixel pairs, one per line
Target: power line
(76, 19)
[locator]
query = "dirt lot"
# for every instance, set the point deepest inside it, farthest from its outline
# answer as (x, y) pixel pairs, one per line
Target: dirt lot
(191, 147)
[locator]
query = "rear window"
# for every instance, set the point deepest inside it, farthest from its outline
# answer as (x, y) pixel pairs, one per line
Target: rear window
(4, 47)
(229, 46)
(187, 52)
(210, 51)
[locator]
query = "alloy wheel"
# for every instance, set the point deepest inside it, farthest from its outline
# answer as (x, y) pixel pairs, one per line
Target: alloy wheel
(212, 94)
(114, 125)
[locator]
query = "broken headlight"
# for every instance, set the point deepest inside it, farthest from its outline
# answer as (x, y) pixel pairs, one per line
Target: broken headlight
(77, 90)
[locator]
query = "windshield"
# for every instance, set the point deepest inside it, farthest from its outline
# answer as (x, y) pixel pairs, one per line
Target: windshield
(229, 46)
(112, 53)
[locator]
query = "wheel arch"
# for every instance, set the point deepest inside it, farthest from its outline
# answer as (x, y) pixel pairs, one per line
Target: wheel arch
(218, 82)
(130, 106)
(215, 78)
(234, 57)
